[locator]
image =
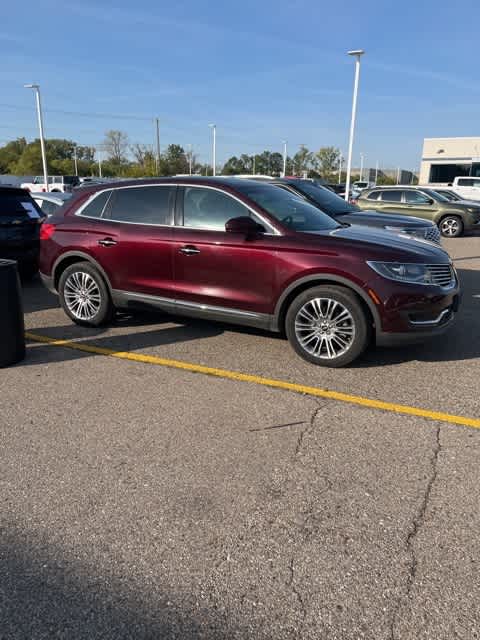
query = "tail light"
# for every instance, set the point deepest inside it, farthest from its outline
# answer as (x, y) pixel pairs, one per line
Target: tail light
(46, 231)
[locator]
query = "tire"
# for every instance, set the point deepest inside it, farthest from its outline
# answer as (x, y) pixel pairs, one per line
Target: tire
(309, 320)
(84, 295)
(451, 226)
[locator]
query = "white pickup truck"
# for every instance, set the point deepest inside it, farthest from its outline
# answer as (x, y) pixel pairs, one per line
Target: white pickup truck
(64, 184)
(466, 187)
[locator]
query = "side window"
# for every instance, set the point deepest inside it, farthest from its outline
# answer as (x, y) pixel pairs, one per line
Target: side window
(392, 196)
(210, 209)
(374, 195)
(465, 182)
(416, 197)
(95, 207)
(143, 205)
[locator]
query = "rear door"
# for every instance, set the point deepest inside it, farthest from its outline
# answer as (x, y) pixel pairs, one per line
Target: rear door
(391, 201)
(130, 236)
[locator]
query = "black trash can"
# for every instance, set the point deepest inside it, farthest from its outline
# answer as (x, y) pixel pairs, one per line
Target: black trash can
(12, 331)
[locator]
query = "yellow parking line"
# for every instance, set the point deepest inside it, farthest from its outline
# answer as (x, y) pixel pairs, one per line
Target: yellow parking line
(266, 382)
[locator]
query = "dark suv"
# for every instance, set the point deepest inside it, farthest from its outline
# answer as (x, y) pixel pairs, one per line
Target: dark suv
(342, 211)
(20, 219)
(250, 253)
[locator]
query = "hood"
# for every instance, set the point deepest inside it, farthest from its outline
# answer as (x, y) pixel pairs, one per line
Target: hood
(409, 248)
(376, 219)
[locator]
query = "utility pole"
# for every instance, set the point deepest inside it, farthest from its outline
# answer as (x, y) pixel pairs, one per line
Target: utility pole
(284, 158)
(362, 157)
(157, 128)
(340, 161)
(376, 173)
(75, 159)
(253, 164)
(36, 88)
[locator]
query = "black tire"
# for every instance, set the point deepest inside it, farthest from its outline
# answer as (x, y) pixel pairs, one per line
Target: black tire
(354, 330)
(103, 310)
(451, 226)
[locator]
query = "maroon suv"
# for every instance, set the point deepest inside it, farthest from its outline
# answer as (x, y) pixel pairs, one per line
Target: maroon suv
(250, 253)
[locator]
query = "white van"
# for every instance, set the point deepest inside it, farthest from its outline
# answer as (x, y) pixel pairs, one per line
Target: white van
(468, 188)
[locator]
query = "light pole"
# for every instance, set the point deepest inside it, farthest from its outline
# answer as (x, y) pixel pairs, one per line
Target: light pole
(36, 88)
(340, 162)
(157, 141)
(214, 131)
(284, 158)
(190, 159)
(358, 53)
(376, 173)
(362, 157)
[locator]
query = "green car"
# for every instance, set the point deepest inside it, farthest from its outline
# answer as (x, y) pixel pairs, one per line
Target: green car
(452, 218)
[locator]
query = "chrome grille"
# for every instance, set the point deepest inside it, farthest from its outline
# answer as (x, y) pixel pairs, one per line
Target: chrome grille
(432, 234)
(442, 275)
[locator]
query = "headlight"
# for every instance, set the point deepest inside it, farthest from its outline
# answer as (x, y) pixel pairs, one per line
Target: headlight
(403, 272)
(410, 232)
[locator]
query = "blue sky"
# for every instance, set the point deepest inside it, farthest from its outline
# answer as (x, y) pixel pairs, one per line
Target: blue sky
(262, 71)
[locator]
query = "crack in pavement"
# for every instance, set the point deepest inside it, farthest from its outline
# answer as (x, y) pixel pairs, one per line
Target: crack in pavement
(418, 521)
(309, 428)
(291, 584)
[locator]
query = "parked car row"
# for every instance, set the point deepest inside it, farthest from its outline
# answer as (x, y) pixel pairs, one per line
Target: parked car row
(248, 252)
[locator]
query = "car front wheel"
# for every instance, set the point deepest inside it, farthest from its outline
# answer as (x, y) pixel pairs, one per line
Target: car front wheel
(84, 295)
(327, 326)
(451, 226)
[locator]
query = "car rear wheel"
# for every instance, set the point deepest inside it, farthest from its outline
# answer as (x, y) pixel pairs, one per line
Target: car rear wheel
(327, 326)
(451, 226)
(84, 295)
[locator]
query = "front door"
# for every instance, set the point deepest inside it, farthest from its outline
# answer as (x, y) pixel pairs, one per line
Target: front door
(216, 268)
(419, 204)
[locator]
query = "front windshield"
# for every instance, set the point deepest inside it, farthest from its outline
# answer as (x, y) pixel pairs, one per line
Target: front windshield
(436, 195)
(290, 210)
(325, 199)
(449, 195)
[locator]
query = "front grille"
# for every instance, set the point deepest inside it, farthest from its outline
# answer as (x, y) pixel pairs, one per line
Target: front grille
(432, 234)
(442, 275)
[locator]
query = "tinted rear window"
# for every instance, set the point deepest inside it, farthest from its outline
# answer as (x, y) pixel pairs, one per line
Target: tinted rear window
(392, 196)
(16, 202)
(143, 205)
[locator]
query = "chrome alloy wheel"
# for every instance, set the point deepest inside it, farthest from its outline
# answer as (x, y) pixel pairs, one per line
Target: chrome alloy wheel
(82, 295)
(324, 328)
(450, 227)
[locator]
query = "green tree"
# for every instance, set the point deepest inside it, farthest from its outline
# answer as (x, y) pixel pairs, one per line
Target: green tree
(302, 161)
(10, 154)
(174, 160)
(327, 161)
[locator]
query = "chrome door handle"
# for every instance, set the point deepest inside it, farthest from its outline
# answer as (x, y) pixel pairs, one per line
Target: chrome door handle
(189, 250)
(107, 242)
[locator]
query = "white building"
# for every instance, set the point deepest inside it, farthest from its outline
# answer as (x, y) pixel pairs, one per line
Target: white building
(445, 158)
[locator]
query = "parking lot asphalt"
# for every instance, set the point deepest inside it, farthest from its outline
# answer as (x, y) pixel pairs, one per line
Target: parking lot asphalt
(140, 501)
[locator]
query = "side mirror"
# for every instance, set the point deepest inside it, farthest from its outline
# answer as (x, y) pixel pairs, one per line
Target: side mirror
(244, 225)
(430, 201)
